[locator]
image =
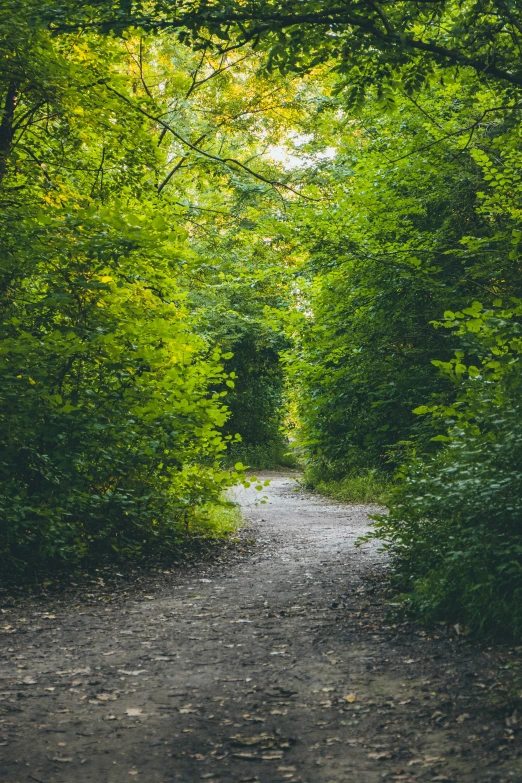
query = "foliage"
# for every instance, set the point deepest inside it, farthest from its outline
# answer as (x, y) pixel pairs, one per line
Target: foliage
(109, 434)
(385, 259)
(216, 520)
(229, 313)
(375, 46)
(454, 526)
(112, 403)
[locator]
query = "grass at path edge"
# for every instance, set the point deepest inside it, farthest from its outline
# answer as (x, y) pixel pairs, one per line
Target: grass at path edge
(364, 486)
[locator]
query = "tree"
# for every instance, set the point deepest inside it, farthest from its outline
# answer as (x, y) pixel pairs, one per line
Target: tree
(386, 258)
(371, 43)
(112, 403)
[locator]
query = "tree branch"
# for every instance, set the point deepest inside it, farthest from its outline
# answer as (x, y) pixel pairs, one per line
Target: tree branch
(229, 162)
(458, 132)
(334, 19)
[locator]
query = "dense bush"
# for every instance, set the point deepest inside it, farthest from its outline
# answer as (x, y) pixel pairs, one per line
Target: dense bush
(109, 431)
(454, 528)
(113, 400)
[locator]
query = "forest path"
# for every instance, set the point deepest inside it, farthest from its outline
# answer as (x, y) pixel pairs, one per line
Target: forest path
(272, 666)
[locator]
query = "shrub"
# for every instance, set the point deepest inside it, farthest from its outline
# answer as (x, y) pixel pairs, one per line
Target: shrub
(454, 529)
(110, 415)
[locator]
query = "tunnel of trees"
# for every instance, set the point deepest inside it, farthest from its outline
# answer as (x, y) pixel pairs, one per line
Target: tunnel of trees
(241, 234)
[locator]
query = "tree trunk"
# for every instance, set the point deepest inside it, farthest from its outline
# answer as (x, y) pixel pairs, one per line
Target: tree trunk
(6, 126)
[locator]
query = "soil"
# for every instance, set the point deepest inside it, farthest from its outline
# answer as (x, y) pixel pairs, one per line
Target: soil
(275, 662)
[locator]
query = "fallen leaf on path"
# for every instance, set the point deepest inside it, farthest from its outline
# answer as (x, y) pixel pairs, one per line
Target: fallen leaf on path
(64, 759)
(350, 698)
(133, 712)
(133, 771)
(379, 756)
(106, 696)
(256, 739)
(133, 673)
(278, 754)
(463, 717)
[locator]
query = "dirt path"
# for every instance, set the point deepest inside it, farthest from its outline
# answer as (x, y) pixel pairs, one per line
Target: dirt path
(275, 665)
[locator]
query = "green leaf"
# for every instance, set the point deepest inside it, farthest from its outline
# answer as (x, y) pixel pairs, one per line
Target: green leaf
(159, 223)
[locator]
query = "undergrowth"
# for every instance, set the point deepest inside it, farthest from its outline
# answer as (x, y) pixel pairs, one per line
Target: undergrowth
(269, 456)
(204, 531)
(362, 486)
(216, 521)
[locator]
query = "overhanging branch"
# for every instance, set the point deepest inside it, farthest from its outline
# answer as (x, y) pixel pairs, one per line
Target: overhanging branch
(229, 162)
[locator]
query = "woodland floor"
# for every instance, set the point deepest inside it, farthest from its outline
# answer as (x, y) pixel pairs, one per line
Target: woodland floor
(274, 662)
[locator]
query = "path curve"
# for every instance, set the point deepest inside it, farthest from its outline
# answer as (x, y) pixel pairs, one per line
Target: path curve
(275, 667)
